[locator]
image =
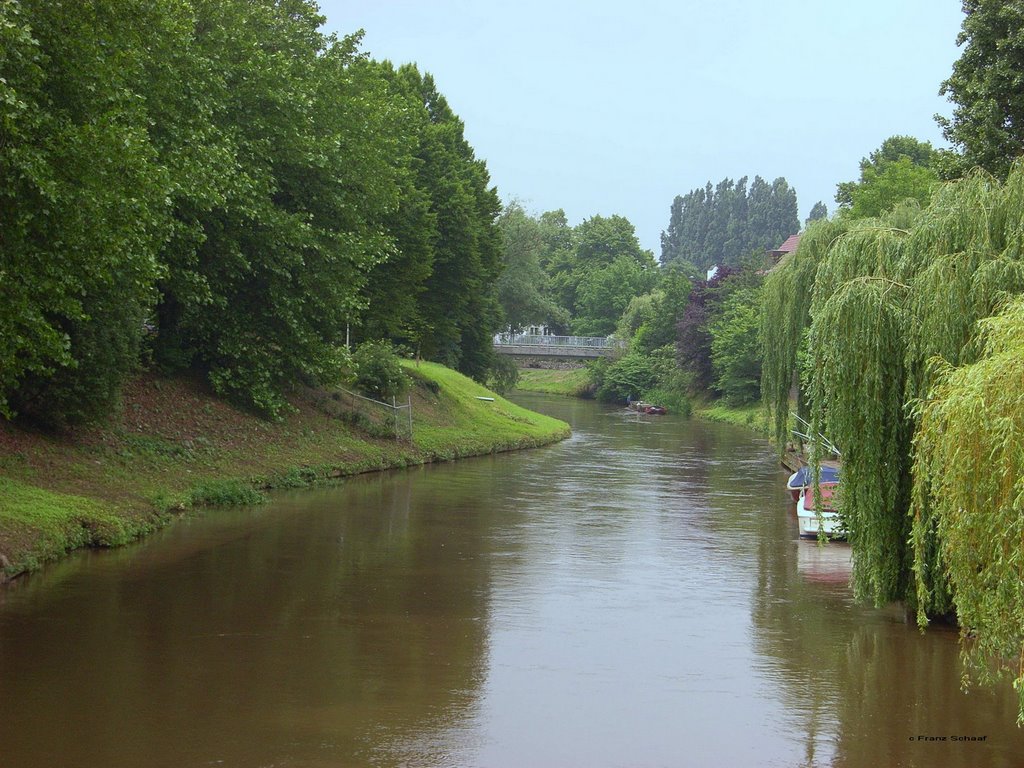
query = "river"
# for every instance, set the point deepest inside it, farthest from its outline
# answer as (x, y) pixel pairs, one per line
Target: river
(634, 596)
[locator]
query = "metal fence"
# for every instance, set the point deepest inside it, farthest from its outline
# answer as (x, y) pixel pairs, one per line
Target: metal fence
(575, 342)
(402, 422)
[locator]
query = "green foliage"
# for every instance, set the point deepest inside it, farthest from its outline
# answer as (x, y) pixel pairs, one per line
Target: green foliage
(987, 87)
(504, 374)
(264, 273)
(628, 377)
(969, 493)
(903, 168)
(222, 493)
(604, 293)
(818, 211)
(594, 270)
(392, 297)
(638, 313)
(895, 310)
(234, 183)
(919, 154)
(785, 320)
(378, 370)
(722, 224)
(735, 353)
(522, 286)
(668, 306)
(83, 204)
(458, 309)
(857, 401)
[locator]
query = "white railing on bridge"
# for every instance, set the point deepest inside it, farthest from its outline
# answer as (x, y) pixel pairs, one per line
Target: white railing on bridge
(575, 342)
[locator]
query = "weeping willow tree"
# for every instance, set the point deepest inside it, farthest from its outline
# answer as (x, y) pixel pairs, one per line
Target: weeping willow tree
(890, 296)
(785, 318)
(969, 492)
(857, 347)
(964, 256)
(912, 372)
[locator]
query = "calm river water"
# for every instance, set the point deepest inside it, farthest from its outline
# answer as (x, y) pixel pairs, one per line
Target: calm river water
(634, 596)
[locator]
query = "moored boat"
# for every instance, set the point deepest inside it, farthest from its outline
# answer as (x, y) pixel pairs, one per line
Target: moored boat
(642, 407)
(810, 523)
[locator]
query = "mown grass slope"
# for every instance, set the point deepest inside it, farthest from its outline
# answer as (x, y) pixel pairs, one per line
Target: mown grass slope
(174, 447)
(574, 382)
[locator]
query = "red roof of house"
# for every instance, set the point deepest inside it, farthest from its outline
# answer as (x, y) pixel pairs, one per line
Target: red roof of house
(789, 246)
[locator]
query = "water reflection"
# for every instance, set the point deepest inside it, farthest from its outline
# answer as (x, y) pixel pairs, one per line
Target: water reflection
(290, 639)
(863, 684)
(636, 595)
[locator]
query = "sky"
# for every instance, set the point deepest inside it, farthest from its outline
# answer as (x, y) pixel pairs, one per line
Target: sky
(617, 107)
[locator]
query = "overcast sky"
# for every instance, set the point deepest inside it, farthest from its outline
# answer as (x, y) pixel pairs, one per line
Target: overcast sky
(617, 107)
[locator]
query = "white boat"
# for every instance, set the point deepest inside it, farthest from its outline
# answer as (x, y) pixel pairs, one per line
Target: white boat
(807, 517)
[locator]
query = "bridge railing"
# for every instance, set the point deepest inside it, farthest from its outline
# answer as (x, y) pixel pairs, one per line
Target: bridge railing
(576, 342)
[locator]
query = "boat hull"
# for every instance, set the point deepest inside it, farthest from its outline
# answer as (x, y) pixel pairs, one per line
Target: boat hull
(810, 525)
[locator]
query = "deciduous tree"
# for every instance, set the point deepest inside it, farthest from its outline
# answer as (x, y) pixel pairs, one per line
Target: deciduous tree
(987, 87)
(902, 168)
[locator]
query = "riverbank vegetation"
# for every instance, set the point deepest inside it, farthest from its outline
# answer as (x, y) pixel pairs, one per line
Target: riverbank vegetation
(684, 335)
(225, 190)
(174, 446)
(574, 382)
(906, 318)
(903, 333)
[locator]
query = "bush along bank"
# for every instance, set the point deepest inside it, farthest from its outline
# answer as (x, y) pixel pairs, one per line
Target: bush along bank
(175, 447)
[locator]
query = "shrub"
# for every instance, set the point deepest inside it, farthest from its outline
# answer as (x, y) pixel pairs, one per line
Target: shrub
(224, 493)
(378, 370)
(629, 376)
(504, 374)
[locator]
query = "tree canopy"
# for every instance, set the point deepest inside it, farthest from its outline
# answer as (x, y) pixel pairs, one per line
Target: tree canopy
(225, 182)
(892, 346)
(724, 223)
(818, 211)
(901, 169)
(523, 285)
(987, 88)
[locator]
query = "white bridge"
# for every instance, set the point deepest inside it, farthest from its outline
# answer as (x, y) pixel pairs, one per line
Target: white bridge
(536, 345)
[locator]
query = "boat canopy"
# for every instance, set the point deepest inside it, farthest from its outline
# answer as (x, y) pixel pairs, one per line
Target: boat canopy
(804, 476)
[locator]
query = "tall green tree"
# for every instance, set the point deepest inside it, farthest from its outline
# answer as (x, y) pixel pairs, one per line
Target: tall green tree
(723, 224)
(902, 168)
(987, 87)
(522, 286)
(818, 211)
(459, 306)
(558, 261)
(393, 292)
(606, 268)
(82, 200)
(735, 354)
(266, 272)
(605, 292)
(969, 464)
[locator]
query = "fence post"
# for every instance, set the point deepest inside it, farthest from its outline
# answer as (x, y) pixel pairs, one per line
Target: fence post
(409, 403)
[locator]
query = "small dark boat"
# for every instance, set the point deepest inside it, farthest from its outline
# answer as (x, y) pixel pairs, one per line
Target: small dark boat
(642, 407)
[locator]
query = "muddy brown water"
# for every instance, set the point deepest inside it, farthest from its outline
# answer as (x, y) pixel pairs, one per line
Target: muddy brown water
(634, 596)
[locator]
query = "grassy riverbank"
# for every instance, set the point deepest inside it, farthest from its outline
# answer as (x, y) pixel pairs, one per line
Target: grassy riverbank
(573, 382)
(751, 416)
(577, 383)
(175, 447)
